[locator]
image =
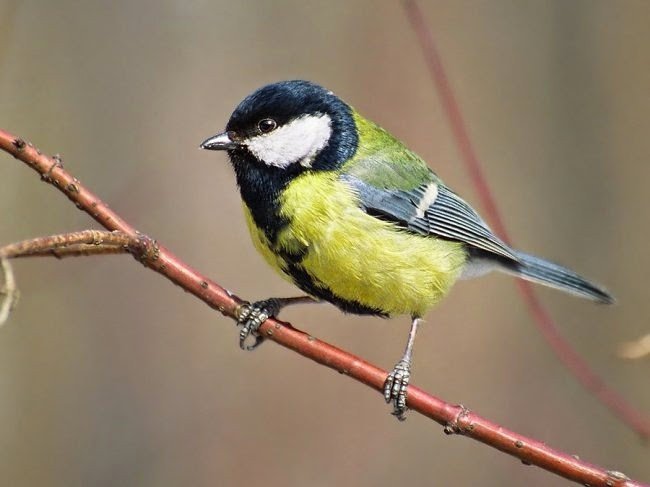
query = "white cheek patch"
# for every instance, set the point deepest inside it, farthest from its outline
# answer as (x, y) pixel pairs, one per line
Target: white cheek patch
(299, 140)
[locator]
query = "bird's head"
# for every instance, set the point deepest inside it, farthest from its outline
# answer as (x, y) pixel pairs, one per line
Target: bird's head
(295, 125)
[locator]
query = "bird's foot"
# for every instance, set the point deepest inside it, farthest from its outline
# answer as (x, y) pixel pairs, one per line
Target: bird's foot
(250, 318)
(395, 388)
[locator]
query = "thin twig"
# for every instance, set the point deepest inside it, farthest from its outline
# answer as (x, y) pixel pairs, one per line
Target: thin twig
(544, 321)
(74, 244)
(8, 291)
(456, 419)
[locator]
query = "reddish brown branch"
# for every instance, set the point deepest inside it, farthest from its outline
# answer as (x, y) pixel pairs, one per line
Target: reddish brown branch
(456, 419)
(546, 324)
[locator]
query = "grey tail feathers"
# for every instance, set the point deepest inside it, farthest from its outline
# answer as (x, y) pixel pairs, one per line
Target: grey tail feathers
(544, 272)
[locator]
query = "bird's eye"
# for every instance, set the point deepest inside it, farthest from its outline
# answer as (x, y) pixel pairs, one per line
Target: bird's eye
(267, 125)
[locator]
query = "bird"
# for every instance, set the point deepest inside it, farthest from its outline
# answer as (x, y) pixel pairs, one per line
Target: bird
(348, 214)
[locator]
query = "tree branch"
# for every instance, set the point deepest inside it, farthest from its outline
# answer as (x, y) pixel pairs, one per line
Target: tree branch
(75, 244)
(576, 365)
(456, 419)
(8, 291)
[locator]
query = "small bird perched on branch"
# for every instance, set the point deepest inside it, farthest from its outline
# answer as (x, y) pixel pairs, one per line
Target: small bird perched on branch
(347, 213)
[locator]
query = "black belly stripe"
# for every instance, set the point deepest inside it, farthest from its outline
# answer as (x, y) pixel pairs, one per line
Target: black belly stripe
(307, 283)
(291, 257)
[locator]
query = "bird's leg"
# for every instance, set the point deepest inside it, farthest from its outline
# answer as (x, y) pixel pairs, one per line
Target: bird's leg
(398, 380)
(251, 316)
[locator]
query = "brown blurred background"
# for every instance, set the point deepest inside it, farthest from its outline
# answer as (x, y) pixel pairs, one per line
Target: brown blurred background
(109, 375)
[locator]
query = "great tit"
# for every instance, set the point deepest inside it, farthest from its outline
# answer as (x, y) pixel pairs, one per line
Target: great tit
(342, 209)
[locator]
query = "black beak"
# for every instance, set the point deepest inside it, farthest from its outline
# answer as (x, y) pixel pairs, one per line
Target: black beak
(219, 142)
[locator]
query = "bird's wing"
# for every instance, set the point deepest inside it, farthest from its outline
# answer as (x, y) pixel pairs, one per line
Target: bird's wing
(430, 209)
(394, 184)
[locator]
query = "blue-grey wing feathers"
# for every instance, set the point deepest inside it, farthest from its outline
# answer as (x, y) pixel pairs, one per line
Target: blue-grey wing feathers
(446, 214)
(433, 209)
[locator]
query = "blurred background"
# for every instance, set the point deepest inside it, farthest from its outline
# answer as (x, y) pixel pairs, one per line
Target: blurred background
(109, 375)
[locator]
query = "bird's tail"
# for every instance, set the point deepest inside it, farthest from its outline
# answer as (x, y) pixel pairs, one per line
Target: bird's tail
(550, 274)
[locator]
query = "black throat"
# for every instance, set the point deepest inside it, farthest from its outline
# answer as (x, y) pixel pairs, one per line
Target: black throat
(260, 187)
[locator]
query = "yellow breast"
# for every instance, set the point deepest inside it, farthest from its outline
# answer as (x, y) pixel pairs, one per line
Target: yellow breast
(356, 256)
